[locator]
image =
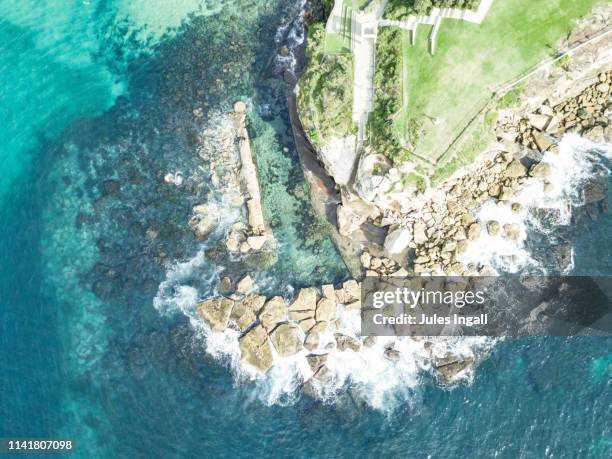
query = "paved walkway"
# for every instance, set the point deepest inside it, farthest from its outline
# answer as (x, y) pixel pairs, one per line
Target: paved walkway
(364, 35)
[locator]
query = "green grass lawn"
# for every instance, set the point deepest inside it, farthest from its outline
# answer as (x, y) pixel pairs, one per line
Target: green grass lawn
(336, 43)
(445, 91)
(405, 126)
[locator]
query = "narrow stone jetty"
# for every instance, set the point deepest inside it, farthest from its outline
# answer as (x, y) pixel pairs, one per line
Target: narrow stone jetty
(249, 171)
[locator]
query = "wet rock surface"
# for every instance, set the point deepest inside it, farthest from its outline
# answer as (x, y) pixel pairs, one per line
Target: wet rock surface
(255, 349)
(268, 328)
(451, 367)
(432, 238)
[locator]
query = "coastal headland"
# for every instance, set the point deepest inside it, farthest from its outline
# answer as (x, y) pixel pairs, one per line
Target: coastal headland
(390, 218)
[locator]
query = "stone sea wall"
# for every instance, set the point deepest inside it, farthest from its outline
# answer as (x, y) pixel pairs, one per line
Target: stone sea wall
(227, 152)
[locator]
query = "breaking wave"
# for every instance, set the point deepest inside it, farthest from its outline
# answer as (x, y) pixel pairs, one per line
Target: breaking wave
(545, 206)
(367, 376)
(291, 35)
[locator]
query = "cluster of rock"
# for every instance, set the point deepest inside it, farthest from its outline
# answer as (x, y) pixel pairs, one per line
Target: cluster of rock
(441, 231)
(381, 266)
(271, 326)
(243, 239)
(584, 114)
(310, 324)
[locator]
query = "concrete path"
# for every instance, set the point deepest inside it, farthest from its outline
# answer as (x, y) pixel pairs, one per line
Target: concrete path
(364, 33)
(335, 21)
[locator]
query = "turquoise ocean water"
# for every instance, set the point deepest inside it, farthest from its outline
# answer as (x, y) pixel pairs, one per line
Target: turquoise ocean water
(96, 103)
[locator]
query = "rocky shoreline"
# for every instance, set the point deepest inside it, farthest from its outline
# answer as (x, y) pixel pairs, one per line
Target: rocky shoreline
(327, 194)
(311, 325)
(428, 232)
(437, 234)
(383, 233)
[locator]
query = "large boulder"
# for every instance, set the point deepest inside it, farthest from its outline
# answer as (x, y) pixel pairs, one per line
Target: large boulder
(245, 285)
(450, 367)
(392, 354)
(273, 313)
(370, 180)
(542, 141)
(215, 312)
(561, 257)
(326, 310)
(316, 361)
(205, 219)
(493, 228)
(304, 305)
(540, 122)
(255, 349)
(349, 221)
(314, 335)
(286, 339)
(353, 213)
(328, 292)
(540, 170)
(306, 300)
(245, 311)
(350, 292)
(205, 225)
(474, 231)
(345, 342)
(339, 156)
(506, 193)
(397, 240)
(595, 134)
(307, 324)
(515, 169)
(301, 316)
(419, 232)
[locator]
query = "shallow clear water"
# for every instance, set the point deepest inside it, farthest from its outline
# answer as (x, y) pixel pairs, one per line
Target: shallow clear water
(97, 106)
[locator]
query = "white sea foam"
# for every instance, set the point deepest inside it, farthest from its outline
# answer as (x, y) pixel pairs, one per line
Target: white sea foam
(370, 377)
(291, 35)
(379, 382)
(570, 170)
